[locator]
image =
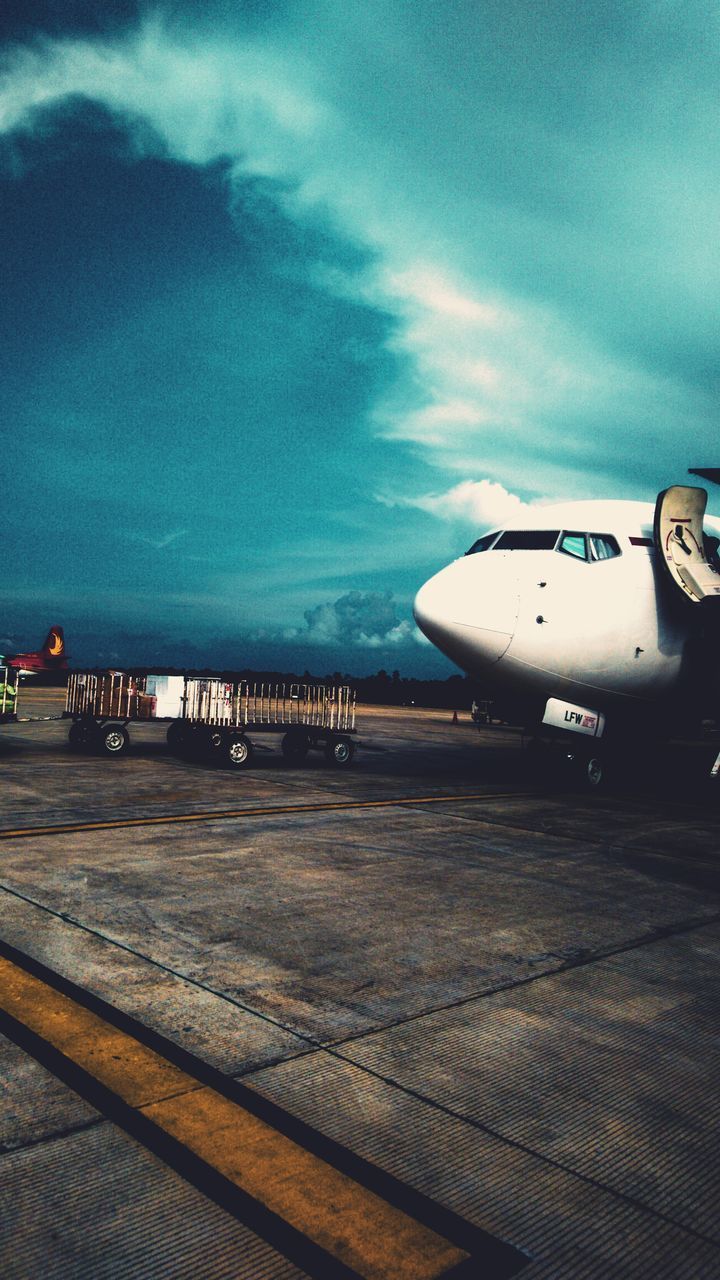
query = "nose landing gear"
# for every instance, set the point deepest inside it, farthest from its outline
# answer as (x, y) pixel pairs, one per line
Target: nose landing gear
(583, 769)
(589, 770)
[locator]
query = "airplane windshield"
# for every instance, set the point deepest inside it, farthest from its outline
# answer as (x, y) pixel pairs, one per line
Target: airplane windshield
(482, 544)
(527, 540)
(602, 546)
(589, 546)
(582, 546)
(573, 544)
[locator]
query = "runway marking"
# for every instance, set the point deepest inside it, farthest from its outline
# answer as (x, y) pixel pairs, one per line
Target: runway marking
(235, 1146)
(220, 815)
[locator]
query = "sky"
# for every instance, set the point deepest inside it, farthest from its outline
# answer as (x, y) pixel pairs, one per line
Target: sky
(301, 296)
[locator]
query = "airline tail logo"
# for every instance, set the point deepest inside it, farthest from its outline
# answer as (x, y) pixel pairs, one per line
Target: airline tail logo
(54, 646)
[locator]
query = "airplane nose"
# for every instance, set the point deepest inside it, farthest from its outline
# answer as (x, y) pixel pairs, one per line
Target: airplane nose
(469, 611)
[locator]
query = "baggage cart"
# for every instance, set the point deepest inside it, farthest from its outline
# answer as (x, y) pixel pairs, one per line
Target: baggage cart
(102, 704)
(218, 715)
(211, 718)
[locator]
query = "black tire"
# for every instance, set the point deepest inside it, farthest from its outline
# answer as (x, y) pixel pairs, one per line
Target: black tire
(340, 751)
(192, 743)
(176, 735)
(238, 751)
(295, 746)
(590, 772)
(212, 742)
(80, 736)
(112, 740)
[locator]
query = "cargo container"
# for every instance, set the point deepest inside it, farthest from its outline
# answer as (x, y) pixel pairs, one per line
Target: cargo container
(210, 717)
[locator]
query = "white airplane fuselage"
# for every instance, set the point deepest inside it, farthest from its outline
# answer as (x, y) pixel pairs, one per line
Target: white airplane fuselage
(555, 622)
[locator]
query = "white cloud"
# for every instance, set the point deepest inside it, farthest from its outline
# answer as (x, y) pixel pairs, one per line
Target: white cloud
(433, 293)
(158, 543)
(481, 503)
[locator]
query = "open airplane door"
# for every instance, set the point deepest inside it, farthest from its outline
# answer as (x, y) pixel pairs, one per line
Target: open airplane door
(680, 540)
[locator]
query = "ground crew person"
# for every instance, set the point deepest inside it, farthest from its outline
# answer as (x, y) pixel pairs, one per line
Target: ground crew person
(7, 692)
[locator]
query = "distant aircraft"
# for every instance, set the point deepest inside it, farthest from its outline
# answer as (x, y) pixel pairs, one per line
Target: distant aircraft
(594, 623)
(51, 657)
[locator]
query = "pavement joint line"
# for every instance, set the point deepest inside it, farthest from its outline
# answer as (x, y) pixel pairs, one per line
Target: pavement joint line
(567, 965)
(523, 1147)
(222, 815)
(327, 1209)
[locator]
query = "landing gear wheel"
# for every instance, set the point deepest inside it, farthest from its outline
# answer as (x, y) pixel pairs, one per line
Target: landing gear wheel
(591, 772)
(295, 746)
(112, 740)
(340, 751)
(238, 751)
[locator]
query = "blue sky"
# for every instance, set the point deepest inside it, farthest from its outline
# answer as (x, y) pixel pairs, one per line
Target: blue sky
(300, 297)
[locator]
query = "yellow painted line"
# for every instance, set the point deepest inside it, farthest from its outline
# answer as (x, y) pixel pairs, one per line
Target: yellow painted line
(220, 815)
(351, 1224)
(128, 1068)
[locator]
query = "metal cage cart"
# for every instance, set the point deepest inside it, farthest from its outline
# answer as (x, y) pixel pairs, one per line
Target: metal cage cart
(210, 718)
(103, 703)
(9, 688)
(219, 714)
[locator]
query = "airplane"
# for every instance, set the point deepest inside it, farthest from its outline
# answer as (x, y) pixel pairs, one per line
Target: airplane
(51, 657)
(593, 624)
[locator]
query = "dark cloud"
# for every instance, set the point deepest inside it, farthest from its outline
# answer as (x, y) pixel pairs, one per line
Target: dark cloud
(22, 20)
(366, 619)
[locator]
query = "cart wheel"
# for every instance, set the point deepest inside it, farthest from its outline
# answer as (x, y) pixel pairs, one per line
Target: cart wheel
(340, 751)
(176, 735)
(192, 743)
(213, 741)
(79, 736)
(238, 751)
(295, 746)
(112, 740)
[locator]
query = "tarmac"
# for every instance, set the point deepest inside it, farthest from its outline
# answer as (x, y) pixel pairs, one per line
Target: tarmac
(430, 1015)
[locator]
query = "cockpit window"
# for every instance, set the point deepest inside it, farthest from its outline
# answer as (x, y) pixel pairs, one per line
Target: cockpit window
(482, 544)
(589, 546)
(573, 544)
(527, 540)
(602, 546)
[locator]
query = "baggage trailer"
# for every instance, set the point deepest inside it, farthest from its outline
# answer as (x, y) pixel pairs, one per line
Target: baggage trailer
(210, 718)
(102, 704)
(9, 686)
(218, 715)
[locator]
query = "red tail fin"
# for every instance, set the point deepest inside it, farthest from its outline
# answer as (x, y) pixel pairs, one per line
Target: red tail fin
(54, 646)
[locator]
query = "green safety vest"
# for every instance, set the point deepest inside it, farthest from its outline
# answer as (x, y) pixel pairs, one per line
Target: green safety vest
(7, 692)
